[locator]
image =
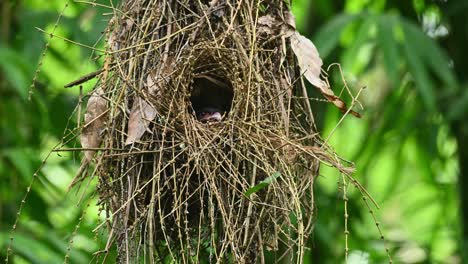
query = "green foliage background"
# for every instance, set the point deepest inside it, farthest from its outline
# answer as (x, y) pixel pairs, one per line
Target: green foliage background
(409, 148)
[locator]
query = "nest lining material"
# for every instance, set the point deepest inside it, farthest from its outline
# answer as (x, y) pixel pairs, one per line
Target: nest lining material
(177, 189)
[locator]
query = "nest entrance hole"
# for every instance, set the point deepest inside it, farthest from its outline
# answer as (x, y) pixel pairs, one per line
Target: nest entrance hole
(211, 97)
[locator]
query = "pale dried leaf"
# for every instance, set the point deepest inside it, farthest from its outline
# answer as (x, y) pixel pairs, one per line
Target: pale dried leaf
(217, 7)
(267, 20)
(159, 77)
(308, 59)
(94, 123)
(290, 19)
(152, 84)
(288, 25)
(140, 118)
(267, 25)
(142, 112)
(310, 64)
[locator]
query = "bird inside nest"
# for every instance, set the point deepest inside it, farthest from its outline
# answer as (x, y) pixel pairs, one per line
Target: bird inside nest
(211, 98)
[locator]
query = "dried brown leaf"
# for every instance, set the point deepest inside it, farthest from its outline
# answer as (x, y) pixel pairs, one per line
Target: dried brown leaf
(309, 60)
(341, 105)
(94, 123)
(267, 20)
(152, 84)
(217, 8)
(310, 64)
(267, 24)
(290, 19)
(143, 112)
(140, 118)
(157, 79)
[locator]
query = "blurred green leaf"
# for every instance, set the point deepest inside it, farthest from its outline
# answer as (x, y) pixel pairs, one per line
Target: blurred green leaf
(35, 250)
(429, 53)
(459, 108)
(328, 36)
(358, 55)
(263, 184)
(30, 41)
(418, 70)
(389, 45)
(16, 70)
(21, 161)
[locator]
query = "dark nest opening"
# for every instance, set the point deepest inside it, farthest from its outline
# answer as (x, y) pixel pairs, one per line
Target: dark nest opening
(211, 95)
(179, 187)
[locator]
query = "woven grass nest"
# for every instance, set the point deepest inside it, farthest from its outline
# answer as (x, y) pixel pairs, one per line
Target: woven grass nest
(176, 189)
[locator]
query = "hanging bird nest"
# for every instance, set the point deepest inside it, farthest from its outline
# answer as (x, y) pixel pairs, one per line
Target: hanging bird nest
(201, 132)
